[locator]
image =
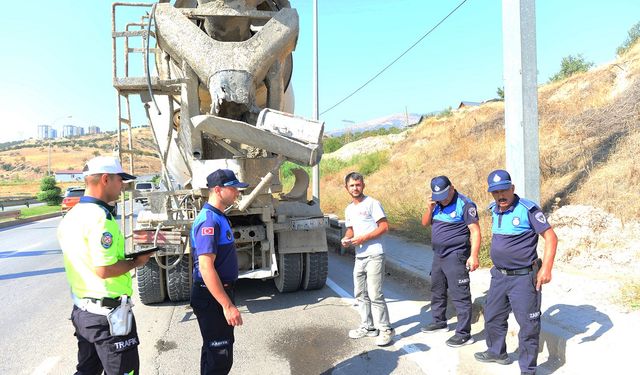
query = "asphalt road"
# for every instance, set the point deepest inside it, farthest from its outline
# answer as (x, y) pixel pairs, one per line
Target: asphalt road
(296, 333)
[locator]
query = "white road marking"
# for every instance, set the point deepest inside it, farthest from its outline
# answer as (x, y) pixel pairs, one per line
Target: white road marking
(413, 351)
(46, 366)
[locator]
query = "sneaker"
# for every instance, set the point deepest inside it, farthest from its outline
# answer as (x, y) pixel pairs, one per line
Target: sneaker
(361, 332)
(488, 357)
(435, 327)
(457, 341)
(385, 337)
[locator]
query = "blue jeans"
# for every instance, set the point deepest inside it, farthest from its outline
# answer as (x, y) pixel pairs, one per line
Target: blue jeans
(368, 274)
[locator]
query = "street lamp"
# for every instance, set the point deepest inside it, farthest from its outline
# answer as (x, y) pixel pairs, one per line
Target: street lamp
(52, 124)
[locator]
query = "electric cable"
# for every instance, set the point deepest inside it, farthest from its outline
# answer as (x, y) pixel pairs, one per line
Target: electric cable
(394, 61)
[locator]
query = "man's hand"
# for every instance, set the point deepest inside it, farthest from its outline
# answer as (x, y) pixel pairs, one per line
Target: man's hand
(232, 315)
(472, 263)
(358, 240)
(544, 276)
(346, 242)
(142, 259)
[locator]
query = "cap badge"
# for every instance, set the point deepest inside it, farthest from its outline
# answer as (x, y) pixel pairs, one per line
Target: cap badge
(436, 188)
(496, 178)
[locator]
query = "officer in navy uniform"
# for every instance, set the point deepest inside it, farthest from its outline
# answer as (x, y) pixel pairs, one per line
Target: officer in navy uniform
(215, 271)
(518, 273)
(455, 237)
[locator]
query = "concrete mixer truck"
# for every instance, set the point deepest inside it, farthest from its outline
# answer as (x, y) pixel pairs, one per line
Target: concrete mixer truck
(214, 77)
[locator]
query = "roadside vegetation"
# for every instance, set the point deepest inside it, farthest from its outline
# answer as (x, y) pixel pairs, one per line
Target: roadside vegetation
(38, 210)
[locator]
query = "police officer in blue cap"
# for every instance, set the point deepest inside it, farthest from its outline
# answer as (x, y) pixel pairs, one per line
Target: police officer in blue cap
(215, 271)
(518, 273)
(455, 237)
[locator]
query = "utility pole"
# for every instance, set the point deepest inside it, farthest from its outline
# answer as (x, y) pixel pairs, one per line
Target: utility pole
(521, 96)
(315, 171)
(49, 163)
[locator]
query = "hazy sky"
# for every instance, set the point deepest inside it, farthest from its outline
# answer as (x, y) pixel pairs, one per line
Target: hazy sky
(56, 56)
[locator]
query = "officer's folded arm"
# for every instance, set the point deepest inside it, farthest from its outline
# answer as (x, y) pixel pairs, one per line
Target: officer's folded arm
(122, 266)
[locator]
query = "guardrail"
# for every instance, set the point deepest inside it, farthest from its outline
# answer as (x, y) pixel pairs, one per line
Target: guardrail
(16, 201)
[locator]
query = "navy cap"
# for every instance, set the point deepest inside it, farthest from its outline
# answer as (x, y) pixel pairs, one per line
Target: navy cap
(224, 178)
(440, 188)
(499, 180)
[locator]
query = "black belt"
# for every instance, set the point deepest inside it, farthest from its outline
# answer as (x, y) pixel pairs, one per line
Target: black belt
(106, 301)
(226, 285)
(515, 272)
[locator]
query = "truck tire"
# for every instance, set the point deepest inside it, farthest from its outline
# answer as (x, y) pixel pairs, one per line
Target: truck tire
(151, 288)
(316, 267)
(289, 272)
(178, 286)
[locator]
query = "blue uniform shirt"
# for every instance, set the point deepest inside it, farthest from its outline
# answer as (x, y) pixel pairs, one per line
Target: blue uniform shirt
(515, 233)
(450, 225)
(211, 234)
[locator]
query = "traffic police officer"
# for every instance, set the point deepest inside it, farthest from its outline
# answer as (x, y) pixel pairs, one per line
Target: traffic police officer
(215, 270)
(98, 273)
(455, 237)
(518, 273)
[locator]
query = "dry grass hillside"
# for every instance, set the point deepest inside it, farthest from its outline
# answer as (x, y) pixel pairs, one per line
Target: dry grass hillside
(24, 164)
(589, 134)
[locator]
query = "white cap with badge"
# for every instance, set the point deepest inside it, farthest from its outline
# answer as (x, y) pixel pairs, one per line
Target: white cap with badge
(108, 165)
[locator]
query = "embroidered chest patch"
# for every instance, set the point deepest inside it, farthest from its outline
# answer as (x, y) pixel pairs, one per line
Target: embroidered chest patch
(107, 240)
(516, 221)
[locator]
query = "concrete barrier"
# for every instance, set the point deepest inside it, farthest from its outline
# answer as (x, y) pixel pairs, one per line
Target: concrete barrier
(31, 219)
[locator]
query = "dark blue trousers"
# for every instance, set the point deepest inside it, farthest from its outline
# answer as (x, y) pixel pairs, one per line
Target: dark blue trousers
(517, 293)
(450, 273)
(216, 356)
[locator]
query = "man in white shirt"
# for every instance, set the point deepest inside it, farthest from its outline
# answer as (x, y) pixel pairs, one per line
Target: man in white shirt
(366, 223)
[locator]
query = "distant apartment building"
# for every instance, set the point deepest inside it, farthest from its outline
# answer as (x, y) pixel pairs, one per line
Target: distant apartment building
(72, 131)
(53, 133)
(44, 131)
(93, 130)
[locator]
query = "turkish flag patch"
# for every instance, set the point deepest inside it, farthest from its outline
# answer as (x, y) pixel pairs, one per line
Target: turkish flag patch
(207, 231)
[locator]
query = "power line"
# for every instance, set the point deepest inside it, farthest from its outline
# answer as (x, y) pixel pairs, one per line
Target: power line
(394, 61)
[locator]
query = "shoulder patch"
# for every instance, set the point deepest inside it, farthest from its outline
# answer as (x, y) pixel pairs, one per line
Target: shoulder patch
(107, 240)
(207, 231)
(473, 212)
(229, 235)
(540, 217)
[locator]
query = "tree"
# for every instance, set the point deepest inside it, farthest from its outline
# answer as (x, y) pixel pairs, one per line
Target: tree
(632, 38)
(49, 192)
(571, 65)
(500, 93)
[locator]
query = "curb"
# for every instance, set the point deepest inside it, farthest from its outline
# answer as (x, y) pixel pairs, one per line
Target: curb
(12, 223)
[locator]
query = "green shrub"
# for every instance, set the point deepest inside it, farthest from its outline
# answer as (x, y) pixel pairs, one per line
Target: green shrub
(571, 65)
(632, 38)
(49, 192)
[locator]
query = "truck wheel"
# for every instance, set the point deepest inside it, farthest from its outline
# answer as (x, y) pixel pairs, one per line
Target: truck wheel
(316, 267)
(151, 286)
(178, 286)
(289, 272)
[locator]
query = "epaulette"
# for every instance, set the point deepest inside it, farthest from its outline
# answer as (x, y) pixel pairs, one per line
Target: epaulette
(491, 206)
(530, 205)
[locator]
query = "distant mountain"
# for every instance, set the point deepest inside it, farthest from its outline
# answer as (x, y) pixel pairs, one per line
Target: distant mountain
(399, 120)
